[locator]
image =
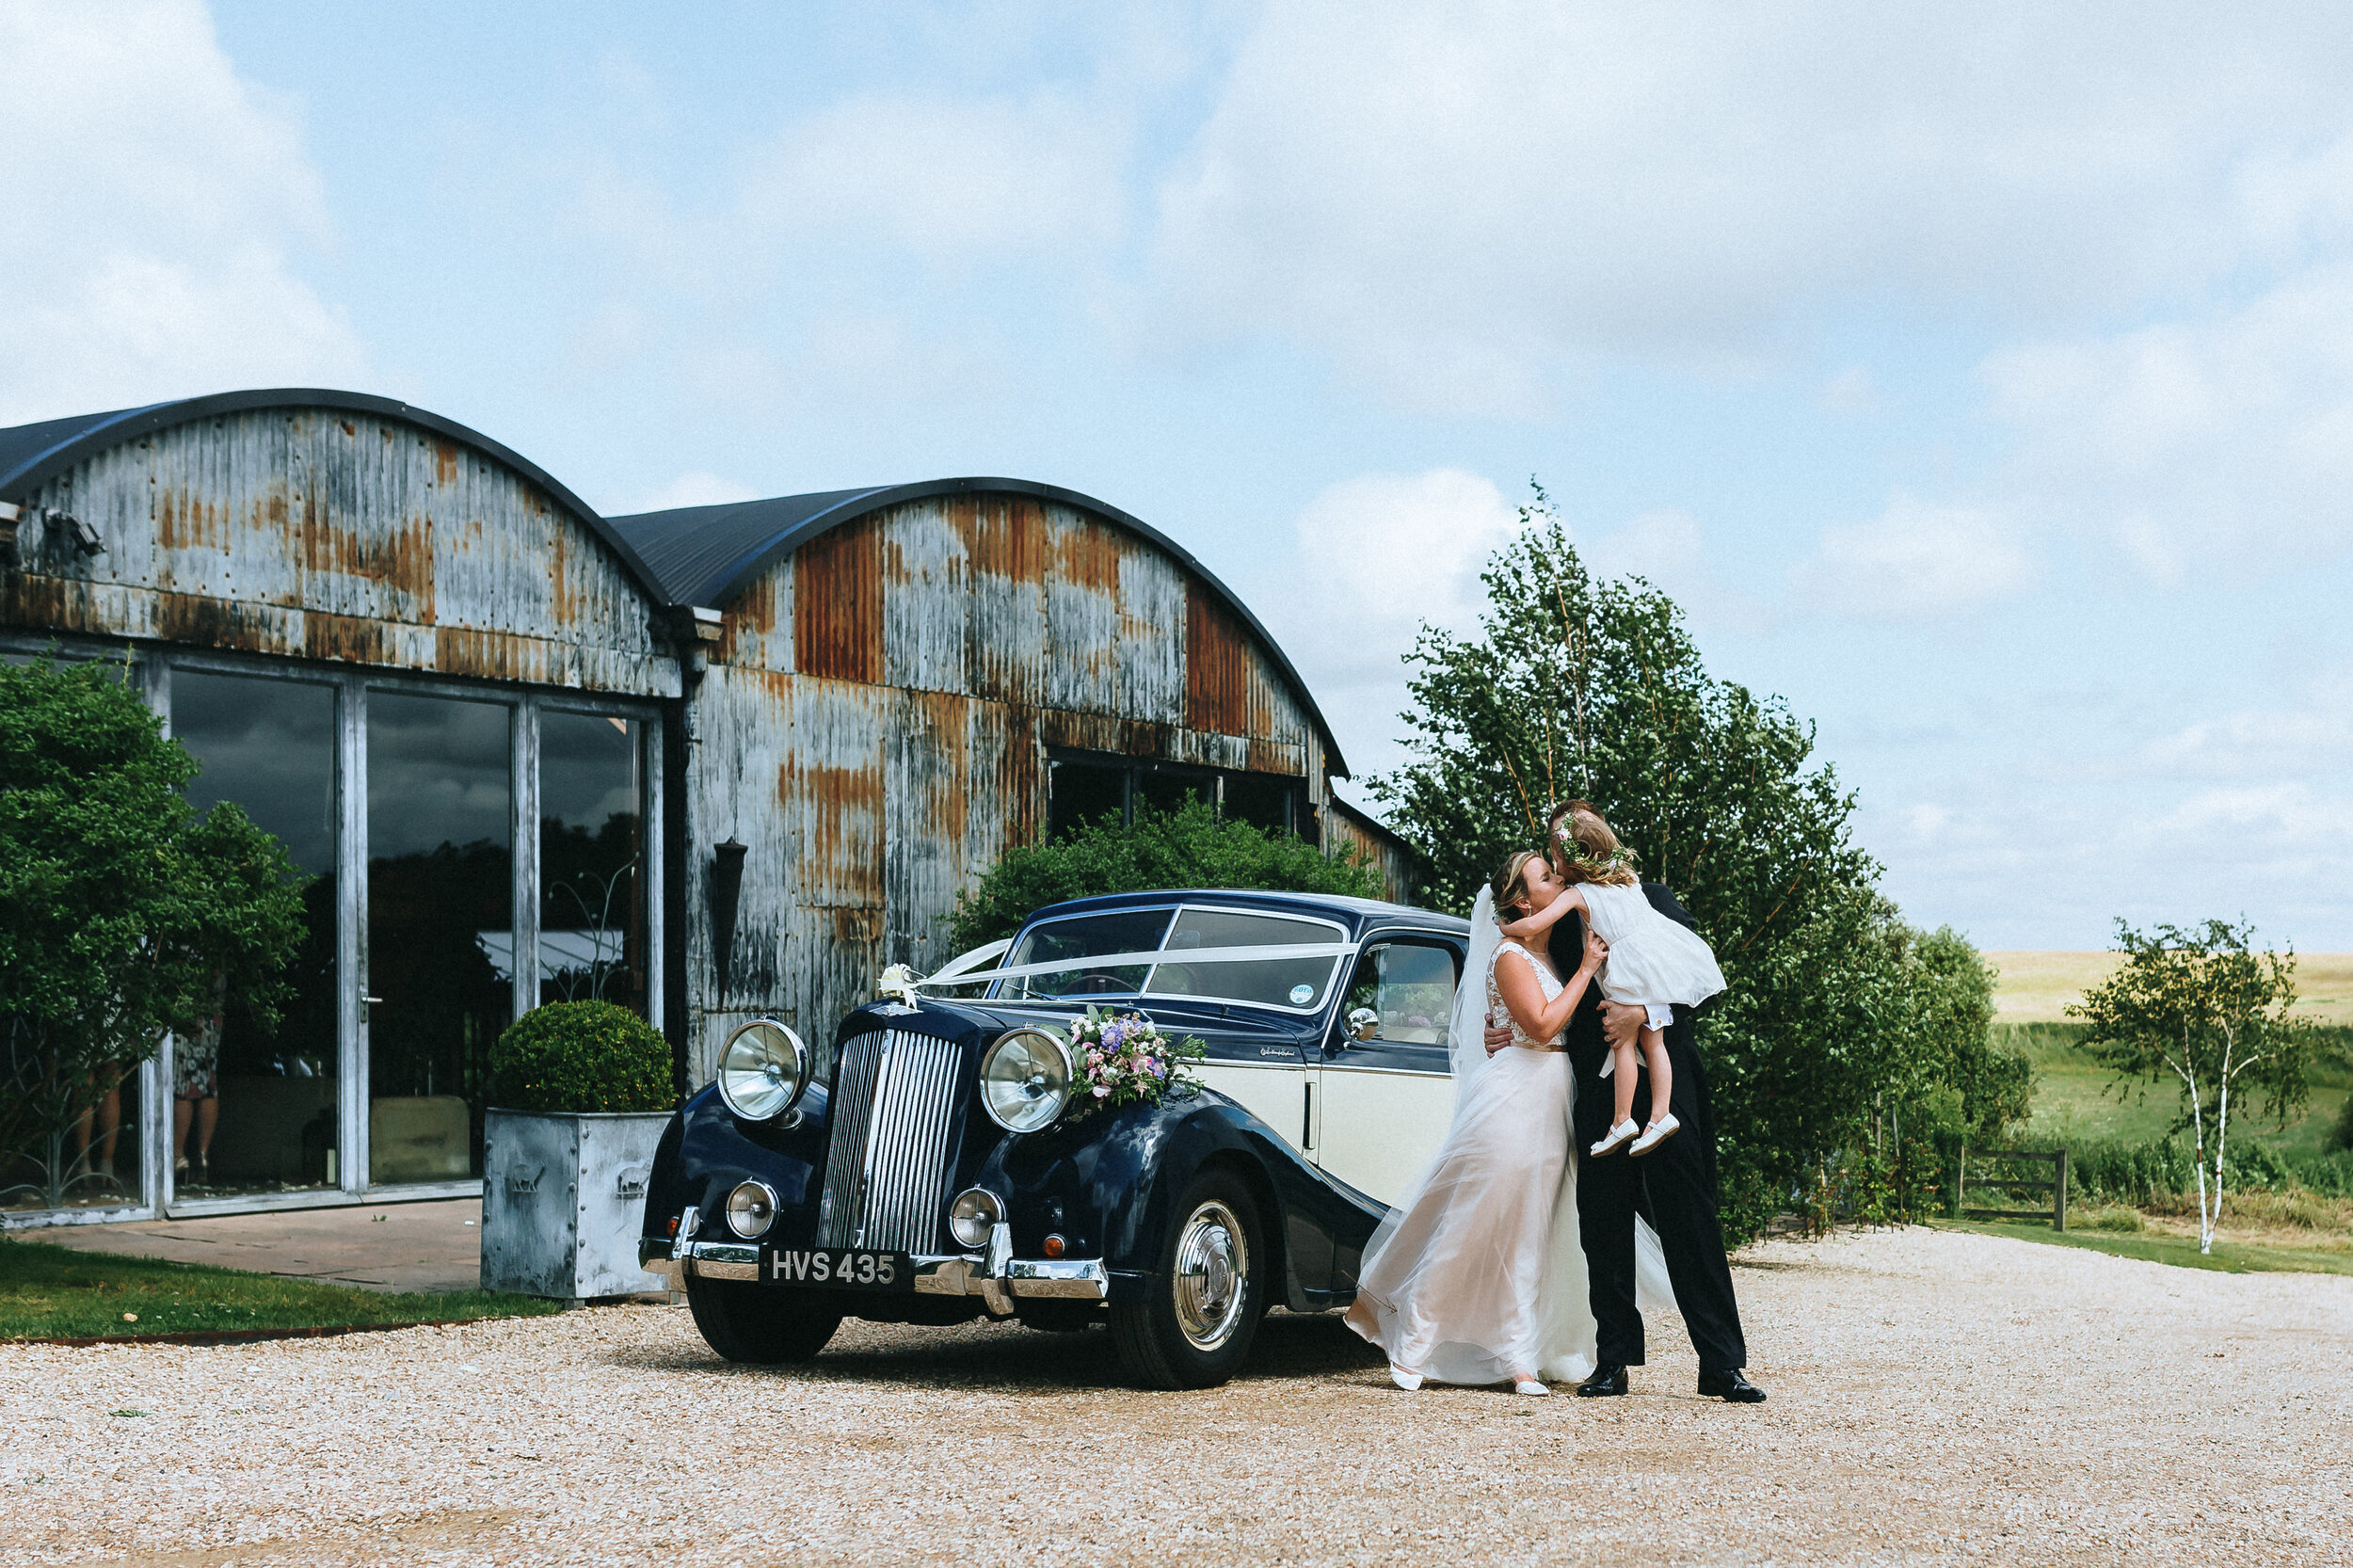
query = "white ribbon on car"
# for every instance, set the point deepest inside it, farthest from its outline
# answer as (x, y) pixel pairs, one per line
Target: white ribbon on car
(965, 969)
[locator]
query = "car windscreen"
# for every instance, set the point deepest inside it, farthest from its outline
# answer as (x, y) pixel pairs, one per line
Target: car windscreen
(1070, 943)
(1195, 954)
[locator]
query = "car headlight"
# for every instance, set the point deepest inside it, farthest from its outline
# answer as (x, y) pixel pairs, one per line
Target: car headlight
(1025, 1080)
(974, 1215)
(762, 1070)
(751, 1209)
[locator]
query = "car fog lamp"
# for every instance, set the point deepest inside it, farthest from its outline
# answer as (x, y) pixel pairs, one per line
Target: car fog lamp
(1025, 1080)
(974, 1215)
(751, 1209)
(762, 1070)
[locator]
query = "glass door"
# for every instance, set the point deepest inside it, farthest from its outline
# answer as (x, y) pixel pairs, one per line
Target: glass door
(441, 928)
(592, 815)
(253, 1101)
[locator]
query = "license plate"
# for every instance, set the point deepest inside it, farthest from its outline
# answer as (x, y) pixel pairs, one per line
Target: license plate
(838, 1268)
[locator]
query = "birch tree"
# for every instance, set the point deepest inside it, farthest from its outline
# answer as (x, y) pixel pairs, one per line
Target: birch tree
(2203, 1009)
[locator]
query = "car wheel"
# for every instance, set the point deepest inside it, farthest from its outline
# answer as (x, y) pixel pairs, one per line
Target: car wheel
(1202, 1316)
(747, 1323)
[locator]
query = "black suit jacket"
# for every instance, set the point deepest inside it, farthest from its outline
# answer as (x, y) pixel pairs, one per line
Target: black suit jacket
(1588, 1050)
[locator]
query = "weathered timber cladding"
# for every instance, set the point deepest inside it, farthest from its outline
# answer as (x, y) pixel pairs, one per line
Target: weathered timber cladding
(334, 535)
(876, 722)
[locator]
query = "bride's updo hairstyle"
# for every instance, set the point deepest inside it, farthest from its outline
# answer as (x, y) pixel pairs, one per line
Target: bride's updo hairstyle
(1590, 852)
(1510, 886)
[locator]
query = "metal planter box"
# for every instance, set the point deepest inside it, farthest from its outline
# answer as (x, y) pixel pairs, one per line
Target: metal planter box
(562, 1196)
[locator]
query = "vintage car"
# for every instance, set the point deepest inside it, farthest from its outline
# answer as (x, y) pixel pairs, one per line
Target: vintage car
(946, 1169)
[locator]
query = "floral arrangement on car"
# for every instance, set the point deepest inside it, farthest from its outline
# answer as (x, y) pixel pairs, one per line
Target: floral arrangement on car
(1124, 1059)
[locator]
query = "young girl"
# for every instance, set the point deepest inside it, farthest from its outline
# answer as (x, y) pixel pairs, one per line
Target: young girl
(1653, 963)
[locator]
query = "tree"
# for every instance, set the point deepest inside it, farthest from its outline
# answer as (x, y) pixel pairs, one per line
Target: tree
(123, 910)
(1189, 847)
(2206, 1009)
(1597, 690)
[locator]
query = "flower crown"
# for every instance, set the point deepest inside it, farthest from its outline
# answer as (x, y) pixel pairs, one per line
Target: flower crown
(1577, 852)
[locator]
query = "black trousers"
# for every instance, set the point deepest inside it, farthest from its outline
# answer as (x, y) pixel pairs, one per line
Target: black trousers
(1675, 1188)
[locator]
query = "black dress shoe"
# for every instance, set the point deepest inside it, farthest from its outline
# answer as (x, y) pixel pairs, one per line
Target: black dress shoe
(1732, 1387)
(1608, 1379)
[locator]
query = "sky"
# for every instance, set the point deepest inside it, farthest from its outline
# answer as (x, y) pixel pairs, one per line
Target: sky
(1979, 379)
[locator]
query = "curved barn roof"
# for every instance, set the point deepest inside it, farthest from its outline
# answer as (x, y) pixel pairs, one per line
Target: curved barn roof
(32, 455)
(704, 554)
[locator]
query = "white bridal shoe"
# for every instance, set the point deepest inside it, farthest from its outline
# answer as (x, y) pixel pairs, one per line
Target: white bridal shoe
(1658, 1133)
(1404, 1378)
(1618, 1135)
(1528, 1385)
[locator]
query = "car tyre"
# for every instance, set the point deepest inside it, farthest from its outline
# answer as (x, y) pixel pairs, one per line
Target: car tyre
(762, 1327)
(1195, 1327)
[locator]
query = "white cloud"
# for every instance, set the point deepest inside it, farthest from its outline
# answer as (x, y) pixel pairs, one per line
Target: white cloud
(2311, 739)
(153, 198)
(2218, 442)
(1451, 203)
(693, 488)
(1377, 558)
(1915, 561)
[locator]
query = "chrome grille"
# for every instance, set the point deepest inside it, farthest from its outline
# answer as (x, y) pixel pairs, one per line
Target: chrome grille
(893, 1112)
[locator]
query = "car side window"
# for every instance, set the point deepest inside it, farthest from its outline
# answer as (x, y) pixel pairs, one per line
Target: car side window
(1401, 994)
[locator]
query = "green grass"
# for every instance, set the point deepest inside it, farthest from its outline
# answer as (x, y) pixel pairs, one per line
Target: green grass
(52, 1293)
(2155, 1247)
(2075, 1098)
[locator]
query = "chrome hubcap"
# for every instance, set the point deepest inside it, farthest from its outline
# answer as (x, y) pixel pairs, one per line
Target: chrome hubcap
(1213, 1266)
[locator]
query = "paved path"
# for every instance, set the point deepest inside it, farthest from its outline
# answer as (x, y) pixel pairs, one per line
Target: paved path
(389, 1246)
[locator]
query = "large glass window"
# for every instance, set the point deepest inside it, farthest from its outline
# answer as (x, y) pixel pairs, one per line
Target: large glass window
(1089, 787)
(592, 912)
(441, 928)
(253, 1102)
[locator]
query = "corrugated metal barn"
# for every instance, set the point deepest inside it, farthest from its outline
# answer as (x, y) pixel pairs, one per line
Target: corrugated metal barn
(908, 681)
(706, 763)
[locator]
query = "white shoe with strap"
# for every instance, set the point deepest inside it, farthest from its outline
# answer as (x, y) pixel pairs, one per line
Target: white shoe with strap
(1656, 1134)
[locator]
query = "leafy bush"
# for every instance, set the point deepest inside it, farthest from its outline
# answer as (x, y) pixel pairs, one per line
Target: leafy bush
(573, 1056)
(2108, 1216)
(1189, 847)
(124, 911)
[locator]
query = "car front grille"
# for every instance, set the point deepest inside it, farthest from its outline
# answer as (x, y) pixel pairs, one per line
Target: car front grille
(893, 1113)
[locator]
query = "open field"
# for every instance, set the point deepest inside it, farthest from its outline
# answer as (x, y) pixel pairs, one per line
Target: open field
(52, 1293)
(2035, 987)
(1937, 1397)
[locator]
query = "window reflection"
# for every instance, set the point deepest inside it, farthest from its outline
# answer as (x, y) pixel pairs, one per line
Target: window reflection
(592, 941)
(440, 895)
(254, 1103)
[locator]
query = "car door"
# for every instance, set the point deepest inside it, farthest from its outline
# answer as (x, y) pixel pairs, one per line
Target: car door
(1384, 1090)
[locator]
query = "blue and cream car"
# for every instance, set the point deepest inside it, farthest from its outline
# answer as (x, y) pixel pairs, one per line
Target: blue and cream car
(949, 1167)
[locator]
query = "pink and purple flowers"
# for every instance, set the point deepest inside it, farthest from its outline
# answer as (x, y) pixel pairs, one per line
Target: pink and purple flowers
(1125, 1060)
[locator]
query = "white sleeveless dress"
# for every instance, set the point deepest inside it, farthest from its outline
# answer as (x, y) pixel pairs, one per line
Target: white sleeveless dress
(1654, 961)
(1478, 1274)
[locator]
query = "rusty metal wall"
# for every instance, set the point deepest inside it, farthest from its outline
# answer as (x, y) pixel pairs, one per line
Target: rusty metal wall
(325, 533)
(995, 627)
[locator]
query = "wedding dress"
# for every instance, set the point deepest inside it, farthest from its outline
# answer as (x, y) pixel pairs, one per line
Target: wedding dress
(1478, 1274)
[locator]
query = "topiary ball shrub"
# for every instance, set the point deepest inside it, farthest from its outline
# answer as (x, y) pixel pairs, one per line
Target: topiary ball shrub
(573, 1056)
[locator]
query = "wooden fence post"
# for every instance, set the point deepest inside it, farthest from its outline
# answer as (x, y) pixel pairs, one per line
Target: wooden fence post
(1960, 1183)
(2058, 1196)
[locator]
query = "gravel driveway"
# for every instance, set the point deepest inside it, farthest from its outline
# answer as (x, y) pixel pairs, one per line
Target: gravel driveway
(1935, 1397)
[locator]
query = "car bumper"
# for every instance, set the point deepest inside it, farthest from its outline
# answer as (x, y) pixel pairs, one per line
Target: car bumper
(999, 1282)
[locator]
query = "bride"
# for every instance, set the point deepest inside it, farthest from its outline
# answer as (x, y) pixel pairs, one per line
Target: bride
(1478, 1276)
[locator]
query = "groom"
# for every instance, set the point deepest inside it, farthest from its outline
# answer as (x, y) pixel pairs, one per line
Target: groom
(1674, 1187)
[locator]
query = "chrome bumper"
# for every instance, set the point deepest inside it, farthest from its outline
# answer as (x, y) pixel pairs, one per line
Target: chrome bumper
(997, 1281)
